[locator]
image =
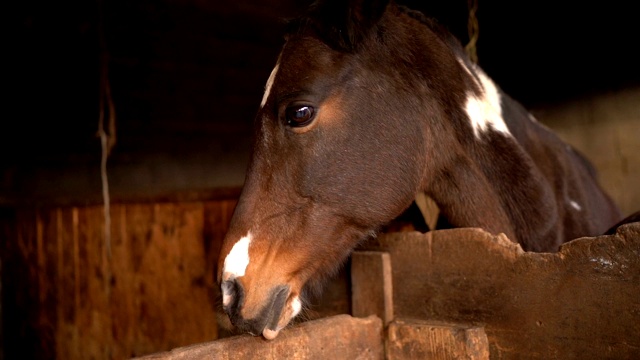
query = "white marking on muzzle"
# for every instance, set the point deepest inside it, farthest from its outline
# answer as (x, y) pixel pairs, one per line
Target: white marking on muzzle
(236, 262)
(267, 88)
(296, 306)
(484, 110)
(235, 265)
(226, 293)
(575, 205)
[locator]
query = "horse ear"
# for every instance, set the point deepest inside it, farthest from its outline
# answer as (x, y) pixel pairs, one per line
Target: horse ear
(365, 14)
(347, 22)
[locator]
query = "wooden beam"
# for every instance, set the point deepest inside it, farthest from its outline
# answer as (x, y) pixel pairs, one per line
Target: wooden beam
(371, 288)
(576, 303)
(417, 339)
(336, 337)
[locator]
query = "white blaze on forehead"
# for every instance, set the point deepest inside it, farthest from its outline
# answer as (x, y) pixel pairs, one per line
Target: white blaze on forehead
(484, 109)
(267, 88)
(236, 262)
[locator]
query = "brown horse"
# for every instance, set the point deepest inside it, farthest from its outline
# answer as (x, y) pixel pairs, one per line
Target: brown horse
(370, 103)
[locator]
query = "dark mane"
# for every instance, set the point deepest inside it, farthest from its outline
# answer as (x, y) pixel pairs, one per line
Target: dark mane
(437, 28)
(341, 34)
(330, 30)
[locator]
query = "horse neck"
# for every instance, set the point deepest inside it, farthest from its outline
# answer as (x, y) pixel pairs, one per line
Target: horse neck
(489, 186)
(479, 177)
(485, 177)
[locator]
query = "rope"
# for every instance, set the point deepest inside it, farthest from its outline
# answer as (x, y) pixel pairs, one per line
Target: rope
(473, 30)
(107, 135)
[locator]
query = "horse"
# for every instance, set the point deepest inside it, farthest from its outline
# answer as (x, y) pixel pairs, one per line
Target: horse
(369, 104)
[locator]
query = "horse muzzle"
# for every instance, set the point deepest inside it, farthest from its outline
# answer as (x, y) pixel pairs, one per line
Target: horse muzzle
(265, 319)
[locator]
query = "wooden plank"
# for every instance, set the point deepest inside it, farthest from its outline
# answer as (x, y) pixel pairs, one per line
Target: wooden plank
(217, 216)
(172, 305)
(371, 288)
(66, 281)
(124, 294)
(416, 339)
(581, 302)
(94, 322)
(47, 270)
(337, 337)
(429, 209)
(22, 324)
(69, 299)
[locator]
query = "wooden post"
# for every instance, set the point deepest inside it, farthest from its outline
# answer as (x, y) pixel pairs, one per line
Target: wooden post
(371, 289)
(417, 339)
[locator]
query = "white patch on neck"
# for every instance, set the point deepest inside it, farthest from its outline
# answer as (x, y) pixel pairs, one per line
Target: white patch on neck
(575, 205)
(236, 262)
(484, 110)
(267, 88)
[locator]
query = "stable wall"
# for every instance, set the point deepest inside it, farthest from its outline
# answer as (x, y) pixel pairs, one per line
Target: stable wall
(187, 78)
(606, 129)
(67, 293)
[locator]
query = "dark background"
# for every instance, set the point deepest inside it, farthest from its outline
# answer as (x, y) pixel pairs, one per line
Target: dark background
(187, 78)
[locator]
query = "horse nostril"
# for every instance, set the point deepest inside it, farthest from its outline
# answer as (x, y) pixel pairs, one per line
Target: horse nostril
(231, 294)
(269, 316)
(279, 300)
(233, 298)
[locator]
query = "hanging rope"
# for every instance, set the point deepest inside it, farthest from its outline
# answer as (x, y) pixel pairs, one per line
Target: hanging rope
(473, 30)
(106, 132)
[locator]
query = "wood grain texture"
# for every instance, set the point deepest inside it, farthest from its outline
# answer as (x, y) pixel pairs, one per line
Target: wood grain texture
(419, 339)
(74, 299)
(371, 287)
(336, 337)
(581, 302)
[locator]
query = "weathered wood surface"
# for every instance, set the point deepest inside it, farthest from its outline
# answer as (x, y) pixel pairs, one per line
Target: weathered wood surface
(66, 298)
(371, 288)
(580, 303)
(336, 337)
(416, 339)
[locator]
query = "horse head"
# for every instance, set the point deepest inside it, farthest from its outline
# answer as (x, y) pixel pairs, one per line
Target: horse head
(328, 137)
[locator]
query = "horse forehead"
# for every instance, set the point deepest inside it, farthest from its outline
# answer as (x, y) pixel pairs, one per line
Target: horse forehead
(267, 87)
(301, 57)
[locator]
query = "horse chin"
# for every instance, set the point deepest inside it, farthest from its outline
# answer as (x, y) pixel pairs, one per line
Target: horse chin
(272, 320)
(270, 334)
(291, 310)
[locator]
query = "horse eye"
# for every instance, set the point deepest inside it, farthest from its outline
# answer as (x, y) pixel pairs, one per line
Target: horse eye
(298, 116)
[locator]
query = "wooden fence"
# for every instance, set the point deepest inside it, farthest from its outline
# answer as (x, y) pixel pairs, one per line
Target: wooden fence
(492, 300)
(68, 294)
